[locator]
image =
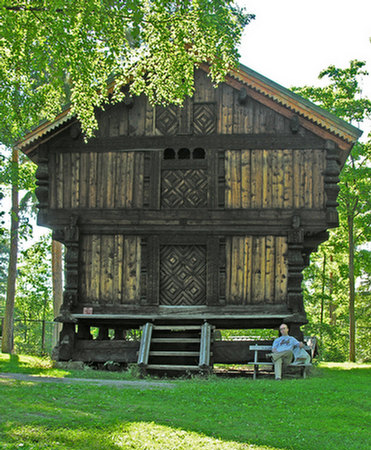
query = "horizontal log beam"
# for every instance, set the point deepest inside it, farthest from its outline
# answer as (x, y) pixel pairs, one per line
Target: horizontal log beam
(217, 141)
(229, 221)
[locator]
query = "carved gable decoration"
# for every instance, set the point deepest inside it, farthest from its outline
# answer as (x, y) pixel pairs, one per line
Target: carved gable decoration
(167, 121)
(204, 118)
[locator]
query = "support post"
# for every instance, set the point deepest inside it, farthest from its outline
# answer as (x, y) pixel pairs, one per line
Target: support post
(145, 344)
(205, 346)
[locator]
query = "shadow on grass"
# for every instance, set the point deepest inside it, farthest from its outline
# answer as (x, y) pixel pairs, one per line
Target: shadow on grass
(128, 435)
(324, 412)
(24, 364)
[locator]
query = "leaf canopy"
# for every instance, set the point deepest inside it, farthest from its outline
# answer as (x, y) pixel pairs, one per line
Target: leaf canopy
(58, 52)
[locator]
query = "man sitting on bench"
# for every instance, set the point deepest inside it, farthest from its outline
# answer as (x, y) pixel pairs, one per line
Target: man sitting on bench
(283, 350)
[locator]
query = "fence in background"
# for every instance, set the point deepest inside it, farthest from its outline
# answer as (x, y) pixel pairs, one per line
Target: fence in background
(34, 337)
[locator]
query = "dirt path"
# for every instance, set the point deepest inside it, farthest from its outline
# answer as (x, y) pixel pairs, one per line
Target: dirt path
(115, 383)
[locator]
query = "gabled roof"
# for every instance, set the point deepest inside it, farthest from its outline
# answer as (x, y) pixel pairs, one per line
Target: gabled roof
(283, 100)
(297, 104)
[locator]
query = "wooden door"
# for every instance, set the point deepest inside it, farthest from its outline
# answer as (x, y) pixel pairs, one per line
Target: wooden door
(182, 275)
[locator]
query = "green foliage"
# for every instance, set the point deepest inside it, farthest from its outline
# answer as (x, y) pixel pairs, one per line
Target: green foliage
(328, 279)
(321, 412)
(343, 94)
(250, 333)
(33, 303)
(53, 53)
(23, 174)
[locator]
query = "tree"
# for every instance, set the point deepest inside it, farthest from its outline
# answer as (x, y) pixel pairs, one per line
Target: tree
(7, 341)
(52, 53)
(57, 282)
(343, 97)
(34, 306)
(85, 53)
(17, 176)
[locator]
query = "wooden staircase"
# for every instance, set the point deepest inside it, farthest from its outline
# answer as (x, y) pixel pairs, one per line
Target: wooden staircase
(175, 348)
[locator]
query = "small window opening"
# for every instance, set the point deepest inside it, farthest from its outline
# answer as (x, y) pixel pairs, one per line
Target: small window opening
(111, 333)
(94, 331)
(184, 153)
(198, 153)
(169, 153)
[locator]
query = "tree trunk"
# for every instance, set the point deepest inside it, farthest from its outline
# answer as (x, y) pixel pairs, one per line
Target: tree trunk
(57, 272)
(352, 324)
(7, 342)
(322, 295)
(332, 306)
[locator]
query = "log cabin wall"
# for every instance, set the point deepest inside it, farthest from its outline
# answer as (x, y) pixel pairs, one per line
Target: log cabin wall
(110, 269)
(284, 179)
(256, 270)
(103, 180)
(213, 205)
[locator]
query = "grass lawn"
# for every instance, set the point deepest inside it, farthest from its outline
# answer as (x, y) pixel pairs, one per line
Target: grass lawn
(330, 410)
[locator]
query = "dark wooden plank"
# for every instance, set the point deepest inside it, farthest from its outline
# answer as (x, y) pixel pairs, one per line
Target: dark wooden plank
(138, 180)
(217, 141)
(155, 180)
(212, 271)
(66, 180)
(153, 270)
(287, 179)
(92, 188)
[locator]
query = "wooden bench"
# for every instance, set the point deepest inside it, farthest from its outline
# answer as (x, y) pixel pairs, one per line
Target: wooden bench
(268, 349)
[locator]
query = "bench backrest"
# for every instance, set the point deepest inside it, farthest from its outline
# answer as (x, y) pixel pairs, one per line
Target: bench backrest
(268, 348)
(260, 347)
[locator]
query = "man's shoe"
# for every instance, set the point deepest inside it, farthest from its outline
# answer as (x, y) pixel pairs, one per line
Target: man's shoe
(278, 379)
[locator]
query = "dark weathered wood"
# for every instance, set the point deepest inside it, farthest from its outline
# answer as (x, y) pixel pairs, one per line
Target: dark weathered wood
(113, 350)
(206, 212)
(217, 141)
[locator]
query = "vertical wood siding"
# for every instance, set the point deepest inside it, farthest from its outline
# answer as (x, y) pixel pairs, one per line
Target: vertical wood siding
(142, 119)
(97, 180)
(256, 269)
(274, 178)
(110, 269)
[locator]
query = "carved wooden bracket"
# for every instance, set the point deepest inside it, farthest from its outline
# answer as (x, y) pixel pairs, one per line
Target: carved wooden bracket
(242, 96)
(331, 182)
(71, 260)
(42, 183)
(294, 124)
(295, 240)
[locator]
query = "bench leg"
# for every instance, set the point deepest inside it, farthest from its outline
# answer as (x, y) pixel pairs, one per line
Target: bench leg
(256, 368)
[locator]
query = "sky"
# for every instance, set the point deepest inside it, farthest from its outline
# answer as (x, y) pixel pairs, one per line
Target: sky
(291, 41)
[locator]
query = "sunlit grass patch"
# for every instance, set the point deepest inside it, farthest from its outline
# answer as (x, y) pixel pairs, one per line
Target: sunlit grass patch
(151, 436)
(326, 411)
(45, 367)
(23, 361)
(34, 365)
(42, 438)
(131, 435)
(345, 365)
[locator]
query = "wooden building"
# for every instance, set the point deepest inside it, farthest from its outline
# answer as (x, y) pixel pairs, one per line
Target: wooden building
(190, 218)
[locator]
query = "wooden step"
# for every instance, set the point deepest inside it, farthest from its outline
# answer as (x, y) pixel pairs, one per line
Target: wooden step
(171, 367)
(172, 353)
(176, 340)
(177, 327)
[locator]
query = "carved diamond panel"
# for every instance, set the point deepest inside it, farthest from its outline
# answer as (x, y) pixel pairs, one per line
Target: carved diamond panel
(167, 119)
(184, 188)
(204, 118)
(183, 275)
